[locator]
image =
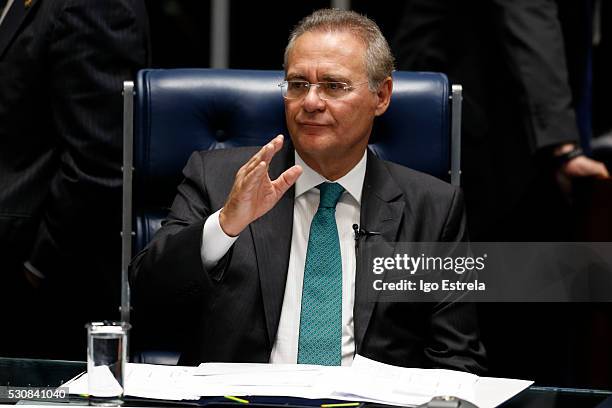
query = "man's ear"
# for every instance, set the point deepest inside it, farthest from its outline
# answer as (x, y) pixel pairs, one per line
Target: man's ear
(384, 96)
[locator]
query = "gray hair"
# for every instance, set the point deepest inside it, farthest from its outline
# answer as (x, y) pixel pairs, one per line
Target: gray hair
(379, 62)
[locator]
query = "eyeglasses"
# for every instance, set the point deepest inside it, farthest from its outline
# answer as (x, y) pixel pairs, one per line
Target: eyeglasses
(326, 90)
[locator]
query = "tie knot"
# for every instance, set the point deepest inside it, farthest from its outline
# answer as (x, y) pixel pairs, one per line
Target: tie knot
(330, 194)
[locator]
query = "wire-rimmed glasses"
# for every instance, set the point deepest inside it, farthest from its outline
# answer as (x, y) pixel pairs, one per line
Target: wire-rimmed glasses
(327, 90)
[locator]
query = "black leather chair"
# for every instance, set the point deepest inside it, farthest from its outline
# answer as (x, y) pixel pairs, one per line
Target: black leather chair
(177, 111)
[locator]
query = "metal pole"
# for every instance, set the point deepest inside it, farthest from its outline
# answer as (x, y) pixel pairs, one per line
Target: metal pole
(341, 4)
(126, 231)
(456, 100)
(220, 33)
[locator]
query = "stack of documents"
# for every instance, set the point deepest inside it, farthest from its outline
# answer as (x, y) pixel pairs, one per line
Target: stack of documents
(365, 380)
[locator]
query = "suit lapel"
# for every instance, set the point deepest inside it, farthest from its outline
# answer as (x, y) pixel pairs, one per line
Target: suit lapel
(272, 241)
(13, 20)
(381, 211)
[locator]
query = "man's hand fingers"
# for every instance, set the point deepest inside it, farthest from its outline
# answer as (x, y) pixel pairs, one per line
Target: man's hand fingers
(265, 153)
(584, 167)
(237, 211)
(603, 171)
(253, 178)
(251, 165)
(287, 179)
(254, 160)
(272, 148)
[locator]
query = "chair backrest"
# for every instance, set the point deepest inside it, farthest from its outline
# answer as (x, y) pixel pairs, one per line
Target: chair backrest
(178, 111)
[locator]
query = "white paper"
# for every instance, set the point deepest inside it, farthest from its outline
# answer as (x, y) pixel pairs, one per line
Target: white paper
(365, 380)
(484, 392)
(147, 381)
(491, 392)
(106, 385)
(251, 368)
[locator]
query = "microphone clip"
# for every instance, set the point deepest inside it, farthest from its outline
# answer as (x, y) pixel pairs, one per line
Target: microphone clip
(362, 232)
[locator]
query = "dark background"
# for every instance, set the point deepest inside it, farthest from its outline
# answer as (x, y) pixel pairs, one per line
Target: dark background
(180, 29)
(180, 36)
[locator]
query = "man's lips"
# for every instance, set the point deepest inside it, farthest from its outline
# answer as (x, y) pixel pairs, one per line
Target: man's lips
(311, 124)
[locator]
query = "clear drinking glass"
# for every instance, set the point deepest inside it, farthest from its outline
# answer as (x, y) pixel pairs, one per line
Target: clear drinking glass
(106, 359)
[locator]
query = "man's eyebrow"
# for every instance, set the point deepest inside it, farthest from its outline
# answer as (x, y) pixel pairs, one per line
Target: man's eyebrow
(292, 77)
(334, 78)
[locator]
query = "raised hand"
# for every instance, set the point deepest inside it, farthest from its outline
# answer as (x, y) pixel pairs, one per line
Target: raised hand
(253, 193)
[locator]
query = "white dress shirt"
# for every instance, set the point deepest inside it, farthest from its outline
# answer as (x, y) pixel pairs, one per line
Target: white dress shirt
(306, 203)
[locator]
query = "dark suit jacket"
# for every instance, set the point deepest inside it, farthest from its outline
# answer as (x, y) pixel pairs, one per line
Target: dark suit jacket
(509, 57)
(234, 310)
(62, 67)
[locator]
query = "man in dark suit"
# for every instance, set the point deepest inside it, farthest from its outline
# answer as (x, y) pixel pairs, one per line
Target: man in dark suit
(62, 65)
(519, 138)
(259, 264)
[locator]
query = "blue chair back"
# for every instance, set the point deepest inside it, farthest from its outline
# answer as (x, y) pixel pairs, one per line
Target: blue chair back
(178, 111)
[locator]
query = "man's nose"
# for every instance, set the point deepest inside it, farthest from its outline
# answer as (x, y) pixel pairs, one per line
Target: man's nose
(312, 101)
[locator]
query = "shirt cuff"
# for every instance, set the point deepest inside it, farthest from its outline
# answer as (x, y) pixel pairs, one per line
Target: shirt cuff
(32, 269)
(215, 242)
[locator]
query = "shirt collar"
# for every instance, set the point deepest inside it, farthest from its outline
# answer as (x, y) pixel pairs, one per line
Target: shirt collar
(351, 181)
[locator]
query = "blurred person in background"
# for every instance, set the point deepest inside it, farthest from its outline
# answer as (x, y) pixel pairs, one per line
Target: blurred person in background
(62, 67)
(520, 151)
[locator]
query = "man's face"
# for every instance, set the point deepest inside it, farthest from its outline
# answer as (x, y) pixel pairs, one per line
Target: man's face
(338, 129)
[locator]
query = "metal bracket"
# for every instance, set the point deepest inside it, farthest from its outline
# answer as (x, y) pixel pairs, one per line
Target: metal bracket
(456, 100)
(127, 169)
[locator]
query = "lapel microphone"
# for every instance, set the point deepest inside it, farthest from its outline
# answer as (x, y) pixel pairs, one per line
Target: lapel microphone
(362, 232)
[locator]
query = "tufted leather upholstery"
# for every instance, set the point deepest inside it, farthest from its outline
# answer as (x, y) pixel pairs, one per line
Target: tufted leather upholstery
(178, 111)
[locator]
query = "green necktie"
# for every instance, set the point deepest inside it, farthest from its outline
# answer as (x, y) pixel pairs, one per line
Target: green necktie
(321, 315)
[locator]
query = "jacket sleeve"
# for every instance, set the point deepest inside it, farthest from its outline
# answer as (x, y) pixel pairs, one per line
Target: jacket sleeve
(530, 35)
(94, 46)
(454, 340)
